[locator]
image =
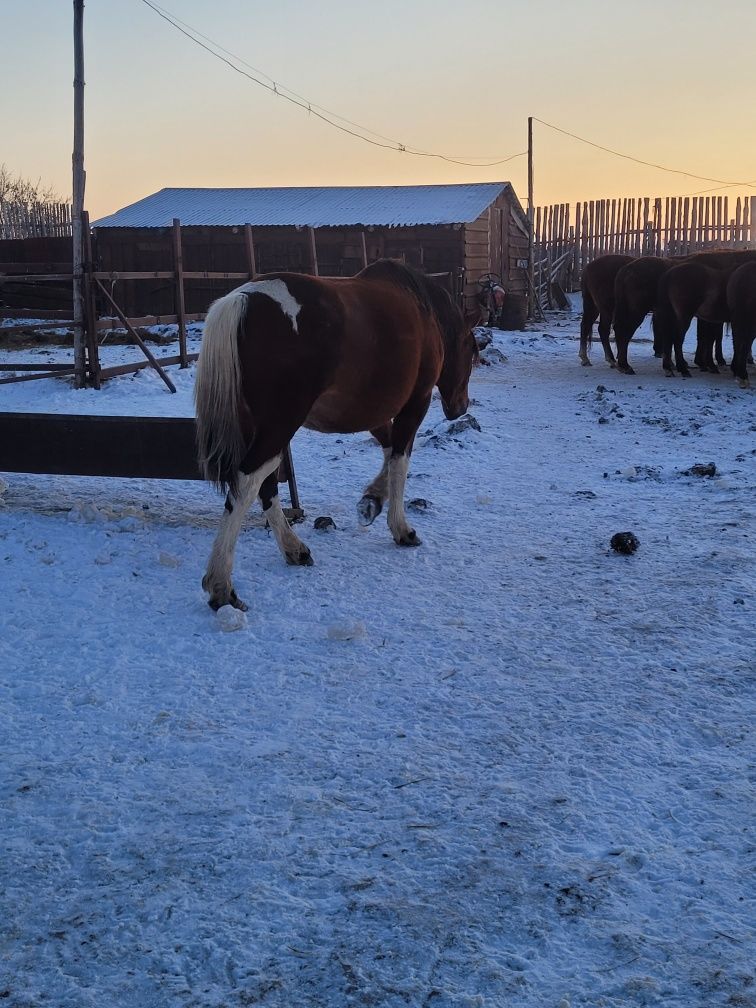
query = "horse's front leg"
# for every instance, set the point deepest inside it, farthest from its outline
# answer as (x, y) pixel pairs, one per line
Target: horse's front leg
(217, 580)
(405, 427)
(375, 493)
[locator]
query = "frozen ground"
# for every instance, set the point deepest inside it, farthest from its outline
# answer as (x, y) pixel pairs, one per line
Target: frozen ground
(523, 779)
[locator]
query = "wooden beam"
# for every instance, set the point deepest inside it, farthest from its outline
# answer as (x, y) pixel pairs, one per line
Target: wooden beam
(34, 377)
(178, 264)
(313, 251)
(34, 367)
(121, 369)
(145, 349)
(249, 245)
(90, 308)
(144, 321)
(77, 207)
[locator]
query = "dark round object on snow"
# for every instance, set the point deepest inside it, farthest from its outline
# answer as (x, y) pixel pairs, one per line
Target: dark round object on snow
(324, 523)
(624, 542)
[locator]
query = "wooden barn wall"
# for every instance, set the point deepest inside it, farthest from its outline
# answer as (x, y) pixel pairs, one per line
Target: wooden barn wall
(222, 249)
(46, 255)
(493, 244)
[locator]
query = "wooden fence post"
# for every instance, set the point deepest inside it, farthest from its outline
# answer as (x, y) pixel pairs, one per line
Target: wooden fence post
(90, 304)
(178, 265)
(313, 251)
(249, 245)
(363, 245)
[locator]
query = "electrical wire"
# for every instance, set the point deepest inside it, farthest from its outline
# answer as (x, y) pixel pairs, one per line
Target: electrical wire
(325, 115)
(648, 164)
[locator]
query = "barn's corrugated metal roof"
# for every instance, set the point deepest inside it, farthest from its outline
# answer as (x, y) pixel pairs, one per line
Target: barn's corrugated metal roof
(386, 206)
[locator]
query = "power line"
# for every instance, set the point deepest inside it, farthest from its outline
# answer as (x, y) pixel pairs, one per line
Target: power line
(325, 115)
(648, 164)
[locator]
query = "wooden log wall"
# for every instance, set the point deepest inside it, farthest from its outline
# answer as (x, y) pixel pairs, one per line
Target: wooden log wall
(34, 220)
(662, 226)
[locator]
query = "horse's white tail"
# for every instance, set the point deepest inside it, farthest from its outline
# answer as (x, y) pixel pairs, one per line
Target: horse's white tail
(217, 391)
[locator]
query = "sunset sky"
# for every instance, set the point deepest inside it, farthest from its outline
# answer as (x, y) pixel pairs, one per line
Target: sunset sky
(667, 81)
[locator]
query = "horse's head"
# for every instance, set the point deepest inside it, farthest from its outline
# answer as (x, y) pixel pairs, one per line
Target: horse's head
(460, 353)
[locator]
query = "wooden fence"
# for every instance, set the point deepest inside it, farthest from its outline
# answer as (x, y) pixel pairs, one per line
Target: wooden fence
(34, 220)
(567, 238)
(102, 312)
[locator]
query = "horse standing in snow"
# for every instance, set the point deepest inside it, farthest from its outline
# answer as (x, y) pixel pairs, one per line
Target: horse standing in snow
(336, 356)
(741, 302)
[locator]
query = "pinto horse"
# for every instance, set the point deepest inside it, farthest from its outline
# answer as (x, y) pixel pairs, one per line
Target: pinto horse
(332, 355)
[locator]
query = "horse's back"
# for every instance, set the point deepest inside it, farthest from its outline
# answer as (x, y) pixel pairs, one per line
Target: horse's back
(361, 346)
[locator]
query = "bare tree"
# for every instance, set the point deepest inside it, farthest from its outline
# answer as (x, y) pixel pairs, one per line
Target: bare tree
(15, 189)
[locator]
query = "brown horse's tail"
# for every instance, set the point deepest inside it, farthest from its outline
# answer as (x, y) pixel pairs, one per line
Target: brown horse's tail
(217, 393)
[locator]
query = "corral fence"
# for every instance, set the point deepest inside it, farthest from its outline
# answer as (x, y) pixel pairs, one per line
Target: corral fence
(19, 219)
(40, 289)
(566, 237)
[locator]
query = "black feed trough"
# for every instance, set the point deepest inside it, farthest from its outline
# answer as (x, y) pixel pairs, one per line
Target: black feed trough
(126, 446)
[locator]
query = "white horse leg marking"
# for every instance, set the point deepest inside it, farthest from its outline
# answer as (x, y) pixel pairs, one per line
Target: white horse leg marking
(217, 580)
(397, 520)
(293, 549)
(375, 493)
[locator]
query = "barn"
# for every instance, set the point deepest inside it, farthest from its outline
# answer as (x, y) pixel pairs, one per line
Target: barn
(459, 232)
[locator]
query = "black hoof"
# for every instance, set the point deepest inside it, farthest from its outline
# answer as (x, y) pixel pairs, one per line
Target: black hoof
(369, 508)
(685, 372)
(303, 558)
(409, 539)
(625, 369)
(220, 596)
(216, 602)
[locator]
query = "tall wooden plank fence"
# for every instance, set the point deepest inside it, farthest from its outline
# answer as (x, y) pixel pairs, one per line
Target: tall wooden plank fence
(566, 238)
(34, 220)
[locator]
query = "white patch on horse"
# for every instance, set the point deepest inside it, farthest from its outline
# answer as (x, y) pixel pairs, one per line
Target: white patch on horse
(397, 479)
(277, 291)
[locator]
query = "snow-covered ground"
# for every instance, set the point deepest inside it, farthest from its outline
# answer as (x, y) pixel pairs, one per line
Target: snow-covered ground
(508, 768)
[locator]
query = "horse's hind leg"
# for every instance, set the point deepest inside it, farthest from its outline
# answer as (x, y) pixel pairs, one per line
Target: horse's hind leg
(217, 580)
(587, 320)
(375, 493)
(292, 548)
(742, 342)
(707, 334)
(403, 433)
(604, 328)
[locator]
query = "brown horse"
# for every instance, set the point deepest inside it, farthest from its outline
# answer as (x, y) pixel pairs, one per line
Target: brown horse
(636, 289)
(336, 356)
(688, 290)
(741, 301)
(597, 287)
(620, 290)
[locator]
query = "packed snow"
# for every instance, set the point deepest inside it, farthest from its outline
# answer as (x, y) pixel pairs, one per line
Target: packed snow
(508, 768)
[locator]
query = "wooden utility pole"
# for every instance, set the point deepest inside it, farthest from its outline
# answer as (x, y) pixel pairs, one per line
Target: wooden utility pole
(78, 197)
(531, 215)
